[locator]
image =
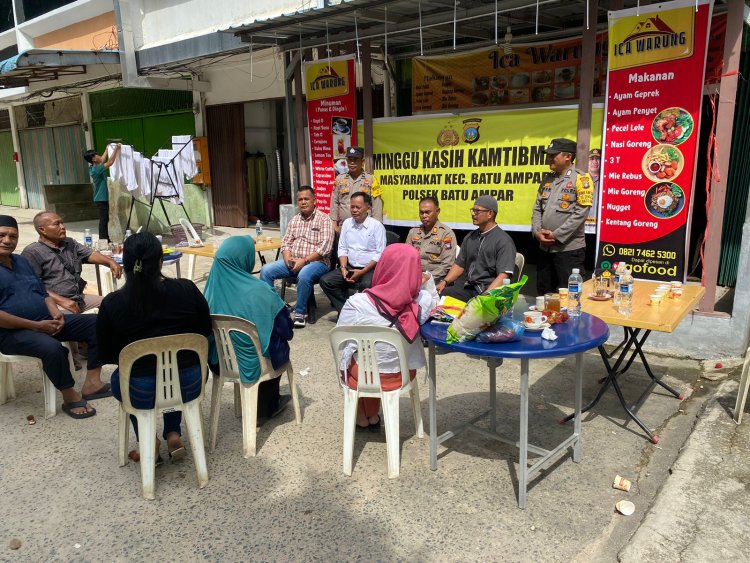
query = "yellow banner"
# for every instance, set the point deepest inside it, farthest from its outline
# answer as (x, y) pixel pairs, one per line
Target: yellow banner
(651, 38)
(326, 79)
(458, 158)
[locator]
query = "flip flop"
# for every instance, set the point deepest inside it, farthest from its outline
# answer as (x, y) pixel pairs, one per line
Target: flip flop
(178, 453)
(68, 409)
(103, 392)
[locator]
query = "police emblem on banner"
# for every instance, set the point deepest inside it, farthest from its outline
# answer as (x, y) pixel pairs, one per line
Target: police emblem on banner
(471, 130)
(448, 137)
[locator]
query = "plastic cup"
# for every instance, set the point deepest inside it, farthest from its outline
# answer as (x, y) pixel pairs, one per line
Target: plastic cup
(540, 303)
(621, 483)
(655, 299)
(552, 302)
(563, 292)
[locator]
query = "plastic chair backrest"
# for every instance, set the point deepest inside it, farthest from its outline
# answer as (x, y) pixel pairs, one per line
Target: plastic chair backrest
(190, 235)
(165, 348)
(366, 337)
(520, 262)
(224, 326)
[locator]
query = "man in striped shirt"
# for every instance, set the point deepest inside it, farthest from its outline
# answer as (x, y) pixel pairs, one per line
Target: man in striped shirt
(305, 250)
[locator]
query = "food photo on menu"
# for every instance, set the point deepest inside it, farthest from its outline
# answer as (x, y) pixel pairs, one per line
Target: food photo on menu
(341, 128)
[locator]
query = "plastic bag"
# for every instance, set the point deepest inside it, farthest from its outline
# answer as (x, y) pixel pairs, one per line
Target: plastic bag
(482, 311)
(506, 330)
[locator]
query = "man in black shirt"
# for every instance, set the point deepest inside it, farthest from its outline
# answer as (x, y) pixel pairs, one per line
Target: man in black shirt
(486, 258)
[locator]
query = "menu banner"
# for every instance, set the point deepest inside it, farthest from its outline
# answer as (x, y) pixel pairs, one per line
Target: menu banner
(458, 158)
(331, 120)
(504, 76)
(657, 60)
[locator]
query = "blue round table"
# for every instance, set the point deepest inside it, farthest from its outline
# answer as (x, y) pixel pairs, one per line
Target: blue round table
(171, 258)
(573, 337)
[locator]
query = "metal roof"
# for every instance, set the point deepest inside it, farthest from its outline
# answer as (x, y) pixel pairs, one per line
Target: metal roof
(37, 65)
(410, 27)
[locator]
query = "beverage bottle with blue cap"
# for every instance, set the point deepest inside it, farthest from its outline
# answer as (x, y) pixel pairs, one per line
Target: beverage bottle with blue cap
(258, 230)
(88, 241)
(575, 286)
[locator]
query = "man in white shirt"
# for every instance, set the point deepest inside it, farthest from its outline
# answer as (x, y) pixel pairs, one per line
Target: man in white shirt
(361, 243)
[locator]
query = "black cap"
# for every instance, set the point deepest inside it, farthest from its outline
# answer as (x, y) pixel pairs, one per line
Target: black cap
(355, 152)
(561, 145)
(595, 153)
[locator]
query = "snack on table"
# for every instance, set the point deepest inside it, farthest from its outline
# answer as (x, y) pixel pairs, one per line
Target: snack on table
(482, 311)
(505, 330)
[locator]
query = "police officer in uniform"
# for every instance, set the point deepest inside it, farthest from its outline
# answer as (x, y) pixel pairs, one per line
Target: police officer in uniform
(435, 242)
(557, 220)
(595, 166)
(353, 181)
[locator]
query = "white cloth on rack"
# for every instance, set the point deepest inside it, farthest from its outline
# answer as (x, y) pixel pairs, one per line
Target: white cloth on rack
(173, 156)
(165, 182)
(142, 166)
(186, 154)
(123, 169)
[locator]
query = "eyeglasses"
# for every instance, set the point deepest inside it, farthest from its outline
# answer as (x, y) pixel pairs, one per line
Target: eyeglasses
(475, 211)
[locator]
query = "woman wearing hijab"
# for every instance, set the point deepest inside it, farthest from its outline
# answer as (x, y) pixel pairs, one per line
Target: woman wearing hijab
(231, 289)
(151, 305)
(401, 296)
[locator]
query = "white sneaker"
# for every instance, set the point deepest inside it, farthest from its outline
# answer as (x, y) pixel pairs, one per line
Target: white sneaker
(299, 320)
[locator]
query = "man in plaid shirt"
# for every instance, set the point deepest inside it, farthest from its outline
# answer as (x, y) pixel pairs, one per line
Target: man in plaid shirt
(305, 250)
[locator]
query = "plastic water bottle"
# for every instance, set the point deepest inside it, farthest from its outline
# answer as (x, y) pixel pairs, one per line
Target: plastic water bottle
(575, 285)
(258, 229)
(87, 239)
(626, 293)
(128, 233)
(618, 273)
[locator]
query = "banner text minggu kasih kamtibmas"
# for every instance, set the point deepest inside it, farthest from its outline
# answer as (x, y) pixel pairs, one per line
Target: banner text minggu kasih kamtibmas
(458, 158)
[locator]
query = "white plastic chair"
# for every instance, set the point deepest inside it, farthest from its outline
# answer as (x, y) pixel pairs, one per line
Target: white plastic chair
(8, 389)
(368, 385)
(168, 398)
(245, 394)
(190, 235)
(739, 406)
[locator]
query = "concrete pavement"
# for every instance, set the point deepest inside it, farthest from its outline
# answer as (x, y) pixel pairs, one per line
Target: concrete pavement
(63, 496)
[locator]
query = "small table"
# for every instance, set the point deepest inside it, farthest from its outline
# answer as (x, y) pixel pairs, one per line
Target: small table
(574, 337)
(209, 250)
(645, 318)
(171, 258)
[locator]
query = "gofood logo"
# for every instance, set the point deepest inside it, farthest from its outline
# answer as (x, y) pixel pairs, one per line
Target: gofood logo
(644, 40)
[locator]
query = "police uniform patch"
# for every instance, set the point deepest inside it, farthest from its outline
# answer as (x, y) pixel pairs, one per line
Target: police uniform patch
(548, 184)
(584, 191)
(344, 191)
(569, 185)
(564, 205)
(566, 197)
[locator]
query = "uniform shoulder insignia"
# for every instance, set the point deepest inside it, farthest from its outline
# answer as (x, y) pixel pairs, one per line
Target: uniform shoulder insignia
(377, 191)
(584, 190)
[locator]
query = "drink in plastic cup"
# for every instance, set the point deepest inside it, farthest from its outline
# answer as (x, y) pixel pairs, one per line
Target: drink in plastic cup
(540, 303)
(563, 291)
(656, 298)
(552, 302)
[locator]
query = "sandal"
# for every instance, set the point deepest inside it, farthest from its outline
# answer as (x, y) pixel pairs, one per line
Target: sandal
(103, 392)
(68, 409)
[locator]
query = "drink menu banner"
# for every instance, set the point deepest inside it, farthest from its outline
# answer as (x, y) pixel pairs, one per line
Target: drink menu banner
(331, 120)
(657, 59)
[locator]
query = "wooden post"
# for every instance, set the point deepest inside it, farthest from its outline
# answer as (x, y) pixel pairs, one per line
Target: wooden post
(299, 119)
(588, 56)
(367, 102)
(724, 132)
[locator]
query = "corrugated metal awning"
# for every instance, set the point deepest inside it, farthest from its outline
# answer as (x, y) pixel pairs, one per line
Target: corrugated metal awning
(37, 65)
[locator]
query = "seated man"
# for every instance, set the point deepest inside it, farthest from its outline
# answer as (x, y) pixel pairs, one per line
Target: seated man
(361, 243)
(306, 252)
(58, 261)
(487, 257)
(32, 325)
(435, 242)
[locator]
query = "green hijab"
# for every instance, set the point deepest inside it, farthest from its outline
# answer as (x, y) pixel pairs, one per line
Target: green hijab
(231, 289)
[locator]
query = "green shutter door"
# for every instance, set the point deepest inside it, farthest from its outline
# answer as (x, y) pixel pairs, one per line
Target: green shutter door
(8, 178)
(158, 130)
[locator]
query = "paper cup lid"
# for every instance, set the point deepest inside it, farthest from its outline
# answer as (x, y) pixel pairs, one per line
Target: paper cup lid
(625, 507)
